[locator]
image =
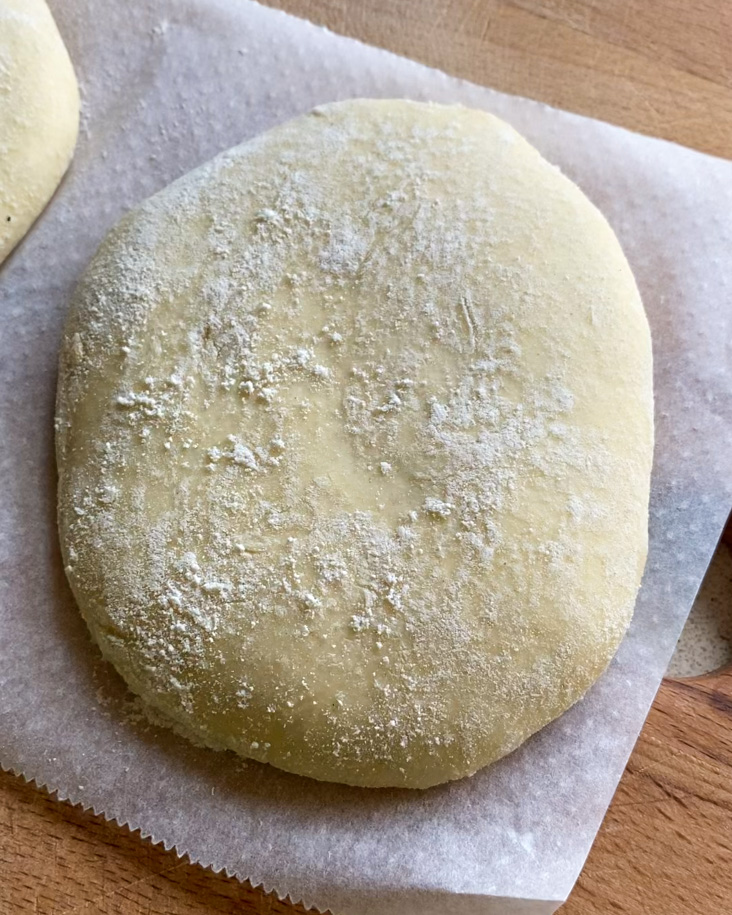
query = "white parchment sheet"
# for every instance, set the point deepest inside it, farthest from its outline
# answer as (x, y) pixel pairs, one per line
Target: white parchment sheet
(167, 84)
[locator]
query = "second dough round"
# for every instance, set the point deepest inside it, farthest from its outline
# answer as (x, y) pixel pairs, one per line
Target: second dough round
(39, 114)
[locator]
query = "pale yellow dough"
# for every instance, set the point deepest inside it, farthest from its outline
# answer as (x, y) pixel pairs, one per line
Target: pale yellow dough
(354, 443)
(39, 115)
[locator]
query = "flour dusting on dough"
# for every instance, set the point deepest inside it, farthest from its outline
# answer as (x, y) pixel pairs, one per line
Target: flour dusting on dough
(354, 434)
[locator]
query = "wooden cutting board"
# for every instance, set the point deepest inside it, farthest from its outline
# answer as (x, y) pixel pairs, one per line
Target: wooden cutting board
(662, 67)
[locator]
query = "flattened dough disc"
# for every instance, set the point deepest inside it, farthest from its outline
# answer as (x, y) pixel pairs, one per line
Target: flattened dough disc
(354, 442)
(39, 115)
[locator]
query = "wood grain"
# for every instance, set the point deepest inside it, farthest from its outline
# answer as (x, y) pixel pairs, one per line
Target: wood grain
(662, 67)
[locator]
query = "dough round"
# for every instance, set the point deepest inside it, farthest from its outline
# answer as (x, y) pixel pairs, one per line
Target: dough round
(354, 442)
(39, 115)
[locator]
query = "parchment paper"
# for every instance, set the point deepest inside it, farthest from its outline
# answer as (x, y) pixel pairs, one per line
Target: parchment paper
(167, 84)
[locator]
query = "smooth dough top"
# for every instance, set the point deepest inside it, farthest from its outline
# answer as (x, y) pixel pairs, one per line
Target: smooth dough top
(39, 115)
(354, 441)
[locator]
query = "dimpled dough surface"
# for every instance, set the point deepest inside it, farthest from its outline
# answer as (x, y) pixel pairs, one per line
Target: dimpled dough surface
(354, 441)
(39, 115)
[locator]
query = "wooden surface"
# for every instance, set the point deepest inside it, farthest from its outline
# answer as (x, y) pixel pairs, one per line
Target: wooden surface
(663, 67)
